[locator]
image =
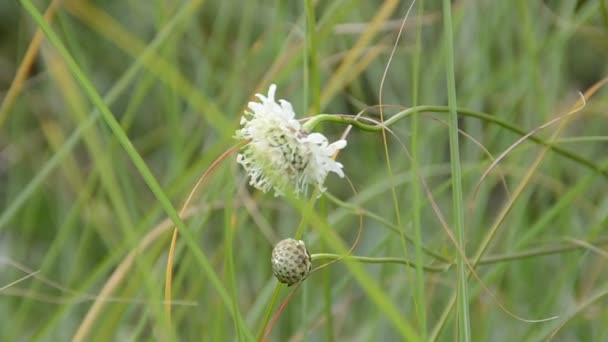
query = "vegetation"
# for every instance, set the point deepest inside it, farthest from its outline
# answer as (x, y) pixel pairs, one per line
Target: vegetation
(474, 205)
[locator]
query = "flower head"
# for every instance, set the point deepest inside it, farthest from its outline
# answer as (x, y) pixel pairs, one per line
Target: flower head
(280, 154)
(291, 262)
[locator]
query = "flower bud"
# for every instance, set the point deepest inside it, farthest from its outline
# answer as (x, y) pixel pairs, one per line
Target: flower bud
(290, 261)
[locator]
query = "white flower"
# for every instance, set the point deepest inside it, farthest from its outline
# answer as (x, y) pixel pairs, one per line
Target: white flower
(280, 154)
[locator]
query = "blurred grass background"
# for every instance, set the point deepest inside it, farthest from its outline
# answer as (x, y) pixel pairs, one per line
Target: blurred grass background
(79, 221)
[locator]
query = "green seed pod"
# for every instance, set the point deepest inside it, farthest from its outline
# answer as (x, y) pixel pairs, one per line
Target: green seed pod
(290, 261)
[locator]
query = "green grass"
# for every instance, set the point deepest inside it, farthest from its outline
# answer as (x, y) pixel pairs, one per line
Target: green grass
(127, 103)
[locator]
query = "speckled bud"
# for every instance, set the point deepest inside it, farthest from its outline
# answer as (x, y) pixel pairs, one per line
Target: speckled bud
(290, 261)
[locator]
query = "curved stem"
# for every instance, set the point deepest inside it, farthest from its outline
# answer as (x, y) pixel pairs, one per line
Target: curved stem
(172, 246)
(568, 246)
(394, 228)
(376, 126)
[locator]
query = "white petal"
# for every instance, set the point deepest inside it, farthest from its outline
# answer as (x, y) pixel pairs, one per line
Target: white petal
(336, 168)
(338, 145)
(261, 97)
(317, 138)
(287, 109)
(256, 107)
(271, 91)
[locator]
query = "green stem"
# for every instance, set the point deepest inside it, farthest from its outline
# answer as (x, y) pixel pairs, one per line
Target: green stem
(268, 312)
(416, 192)
(490, 260)
(541, 251)
(376, 127)
(464, 323)
(377, 260)
(604, 10)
